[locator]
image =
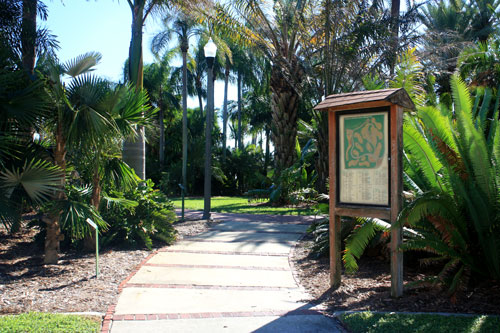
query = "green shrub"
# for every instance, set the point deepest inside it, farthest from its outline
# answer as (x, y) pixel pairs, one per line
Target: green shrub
(453, 169)
(137, 217)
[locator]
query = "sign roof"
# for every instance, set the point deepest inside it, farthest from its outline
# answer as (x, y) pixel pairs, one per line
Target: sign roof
(397, 96)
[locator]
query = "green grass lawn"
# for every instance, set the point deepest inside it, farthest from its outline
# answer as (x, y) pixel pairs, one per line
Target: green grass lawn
(240, 205)
(367, 322)
(49, 322)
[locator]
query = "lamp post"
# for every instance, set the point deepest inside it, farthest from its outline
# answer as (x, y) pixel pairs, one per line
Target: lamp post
(210, 51)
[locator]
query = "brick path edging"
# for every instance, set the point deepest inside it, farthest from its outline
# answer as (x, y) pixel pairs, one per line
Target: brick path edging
(108, 318)
(201, 315)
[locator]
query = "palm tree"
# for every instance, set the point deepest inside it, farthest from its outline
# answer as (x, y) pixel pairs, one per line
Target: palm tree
(134, 152)
(452, 26)
(275, 34)
(157, 82)
(85, 114)
(184, 27)
(26, 175)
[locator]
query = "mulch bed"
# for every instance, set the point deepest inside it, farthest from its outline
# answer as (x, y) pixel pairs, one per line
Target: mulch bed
(26, 284)
(369, 288)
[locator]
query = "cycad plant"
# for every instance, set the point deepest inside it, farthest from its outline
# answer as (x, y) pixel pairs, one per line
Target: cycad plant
(453, 169)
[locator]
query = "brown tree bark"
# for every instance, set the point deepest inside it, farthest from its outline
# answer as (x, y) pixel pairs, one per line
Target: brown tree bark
(28, 35)
(285, 106)
(54, 236)
(322, 160)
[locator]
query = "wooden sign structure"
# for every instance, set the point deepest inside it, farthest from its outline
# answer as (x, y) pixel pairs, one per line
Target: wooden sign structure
(365, 161)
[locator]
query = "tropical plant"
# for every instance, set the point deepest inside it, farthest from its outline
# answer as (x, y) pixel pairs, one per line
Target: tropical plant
(162, 95)
(453, 170)
(451, 26)
(146, 215)
(479, 64)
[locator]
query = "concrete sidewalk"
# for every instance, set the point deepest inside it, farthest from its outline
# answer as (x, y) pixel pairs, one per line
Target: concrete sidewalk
(235, 277)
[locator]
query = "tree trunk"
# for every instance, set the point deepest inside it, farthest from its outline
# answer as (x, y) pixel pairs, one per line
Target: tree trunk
(134, 150)
(395, 7)
(322, 160)
(54, 236)
(28, 35)
(161, 115)
(239, 111)
(134, 153)
(285, 106)
(224, 111)
(267, 155)
(200, 97)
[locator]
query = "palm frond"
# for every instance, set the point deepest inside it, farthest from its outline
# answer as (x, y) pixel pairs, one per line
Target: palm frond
(358, 240)
(82, 64)
(426, 158)
(37, 181)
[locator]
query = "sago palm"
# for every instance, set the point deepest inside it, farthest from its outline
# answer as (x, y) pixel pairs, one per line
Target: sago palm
(453, 168)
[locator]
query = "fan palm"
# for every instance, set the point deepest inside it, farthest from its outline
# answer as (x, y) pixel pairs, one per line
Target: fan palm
(86, 114)
(25, 173)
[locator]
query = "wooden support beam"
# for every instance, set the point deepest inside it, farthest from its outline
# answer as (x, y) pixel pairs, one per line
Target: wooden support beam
(335, 221)
(396, 123)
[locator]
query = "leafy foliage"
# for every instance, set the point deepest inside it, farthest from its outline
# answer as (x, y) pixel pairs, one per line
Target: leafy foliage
(146, 215)
(454, 173)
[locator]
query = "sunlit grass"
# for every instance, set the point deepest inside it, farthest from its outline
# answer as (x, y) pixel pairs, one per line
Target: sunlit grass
(241, 205)
(49, 322)
(367, 322)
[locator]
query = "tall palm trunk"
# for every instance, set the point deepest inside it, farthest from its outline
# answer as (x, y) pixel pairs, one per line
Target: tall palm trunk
(54, 236)
(239, 110)
(28, 35)
(267, 156)
(395, 7)
(285, 106)
(200, 97)
(161, 115)
(224, 111)
(134, 150)
(322, 160)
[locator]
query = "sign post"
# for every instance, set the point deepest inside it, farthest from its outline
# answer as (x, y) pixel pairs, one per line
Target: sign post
(365, 167)
(96, 228)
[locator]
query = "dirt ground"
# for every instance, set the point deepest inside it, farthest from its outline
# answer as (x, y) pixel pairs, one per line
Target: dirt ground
(71, 286)
(369, 288)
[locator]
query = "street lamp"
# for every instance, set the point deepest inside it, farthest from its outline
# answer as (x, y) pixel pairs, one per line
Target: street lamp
(210, 51)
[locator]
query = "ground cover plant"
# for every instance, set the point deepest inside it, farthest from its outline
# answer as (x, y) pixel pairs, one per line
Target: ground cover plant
(241, 205)
(37, 322)
(368, 322)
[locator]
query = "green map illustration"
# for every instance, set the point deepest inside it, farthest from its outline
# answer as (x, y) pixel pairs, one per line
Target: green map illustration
(364, 144)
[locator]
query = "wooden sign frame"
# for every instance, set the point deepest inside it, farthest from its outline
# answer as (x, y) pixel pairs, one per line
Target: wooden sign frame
(363, 190)
(393, 101)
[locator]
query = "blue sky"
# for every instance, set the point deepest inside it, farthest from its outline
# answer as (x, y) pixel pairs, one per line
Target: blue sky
(104, 26)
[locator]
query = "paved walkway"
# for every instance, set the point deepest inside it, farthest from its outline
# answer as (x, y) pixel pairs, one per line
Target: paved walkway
(235, 277)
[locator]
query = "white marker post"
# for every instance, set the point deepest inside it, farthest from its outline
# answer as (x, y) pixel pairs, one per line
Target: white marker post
(93, 225)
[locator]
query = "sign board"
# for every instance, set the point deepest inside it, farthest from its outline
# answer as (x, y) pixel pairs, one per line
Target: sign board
(364, 150)
(365, 144)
